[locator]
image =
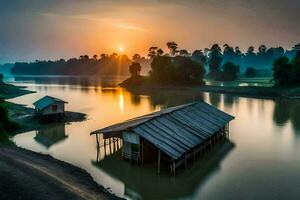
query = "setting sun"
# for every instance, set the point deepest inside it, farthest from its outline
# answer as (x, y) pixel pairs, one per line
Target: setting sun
(121, 49)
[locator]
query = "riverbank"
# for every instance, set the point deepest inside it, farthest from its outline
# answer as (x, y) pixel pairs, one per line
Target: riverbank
(142, 85)
(9, 91)
(27, 121)
(29, 175)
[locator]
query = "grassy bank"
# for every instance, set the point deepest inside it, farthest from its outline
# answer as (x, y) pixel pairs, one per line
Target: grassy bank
(28, 175)
(9, 91)
(27, 121)
(144, 84)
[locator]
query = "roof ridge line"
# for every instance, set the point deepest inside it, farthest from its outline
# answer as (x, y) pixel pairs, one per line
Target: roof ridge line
(147, 120)
(163, 114)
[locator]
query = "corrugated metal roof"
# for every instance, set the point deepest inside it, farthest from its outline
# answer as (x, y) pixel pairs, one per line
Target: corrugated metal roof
(46, 101)
(175, 130)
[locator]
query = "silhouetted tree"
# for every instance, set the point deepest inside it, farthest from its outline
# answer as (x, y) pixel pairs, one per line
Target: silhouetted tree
(215, 61)
(159, 52)
(172, 46)
(135, 69)
(136, 57)
(152, 52)
(282, 72)
(103, 56)
(230, 71)
(250, 72)
(184, 52)
(95, 57)
(199, 56)
(176, 70)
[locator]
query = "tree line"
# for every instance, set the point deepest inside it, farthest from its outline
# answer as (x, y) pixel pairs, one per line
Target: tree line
(286, 72)
(178, 65)
(113, 64)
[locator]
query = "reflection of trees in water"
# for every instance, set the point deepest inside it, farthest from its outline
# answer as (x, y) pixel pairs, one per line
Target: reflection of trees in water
(173, 98)
(85, 81)
(135, 99)
(228, 100)
(287, 110)
(215, 99)
(169, 99)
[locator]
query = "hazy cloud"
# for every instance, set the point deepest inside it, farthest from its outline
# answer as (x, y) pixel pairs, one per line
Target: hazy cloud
(51, 29)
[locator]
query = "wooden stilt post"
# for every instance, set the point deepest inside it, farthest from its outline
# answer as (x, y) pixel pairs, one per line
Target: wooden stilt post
(194, 153)
(142, 153)
(158, 162)
(114, 143)
(97, 159)
(97, 140)
(110, 151)
(185, 161)
(104, 147)
(174, 168)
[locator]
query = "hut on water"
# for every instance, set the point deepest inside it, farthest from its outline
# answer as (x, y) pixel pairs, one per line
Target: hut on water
(175, 134)
(50, 107)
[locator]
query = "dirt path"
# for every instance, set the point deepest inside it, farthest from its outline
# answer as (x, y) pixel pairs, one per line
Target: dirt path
(28, 175)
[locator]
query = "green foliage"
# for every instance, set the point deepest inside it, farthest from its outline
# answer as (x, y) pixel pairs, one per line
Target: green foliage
(176, 70)
(5, 124)
(229, 72)
(135, 69)
(199, 56)
(105, 65)
(250, 72)
(215, 62)
(283, 72)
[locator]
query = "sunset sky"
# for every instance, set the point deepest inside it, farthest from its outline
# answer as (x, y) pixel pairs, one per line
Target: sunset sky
(52, 29)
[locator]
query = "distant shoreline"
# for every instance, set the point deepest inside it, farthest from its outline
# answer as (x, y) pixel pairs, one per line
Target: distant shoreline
(143, 86)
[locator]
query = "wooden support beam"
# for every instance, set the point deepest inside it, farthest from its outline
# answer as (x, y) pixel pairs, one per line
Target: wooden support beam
(174, 168)
(142, 154)
(109, 146)
(158, 162)
(104, 147)
(194, 152)
(114, 146)
(185, 161)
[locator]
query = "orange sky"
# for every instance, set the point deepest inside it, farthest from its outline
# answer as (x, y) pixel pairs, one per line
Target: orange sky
(55, 29)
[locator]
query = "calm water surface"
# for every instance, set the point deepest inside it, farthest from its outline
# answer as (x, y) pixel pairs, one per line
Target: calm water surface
(261, 160)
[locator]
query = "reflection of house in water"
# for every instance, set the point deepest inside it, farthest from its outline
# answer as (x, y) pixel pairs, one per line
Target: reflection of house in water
(141, 183)
(51, 135)
(172, 136)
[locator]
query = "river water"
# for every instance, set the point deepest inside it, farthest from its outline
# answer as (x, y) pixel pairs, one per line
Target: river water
(261, 160)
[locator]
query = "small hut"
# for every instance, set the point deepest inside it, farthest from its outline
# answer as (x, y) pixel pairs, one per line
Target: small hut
(175, 134)
(49, 107)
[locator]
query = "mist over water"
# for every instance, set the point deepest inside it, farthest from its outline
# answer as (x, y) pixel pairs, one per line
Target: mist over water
(260, 161)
